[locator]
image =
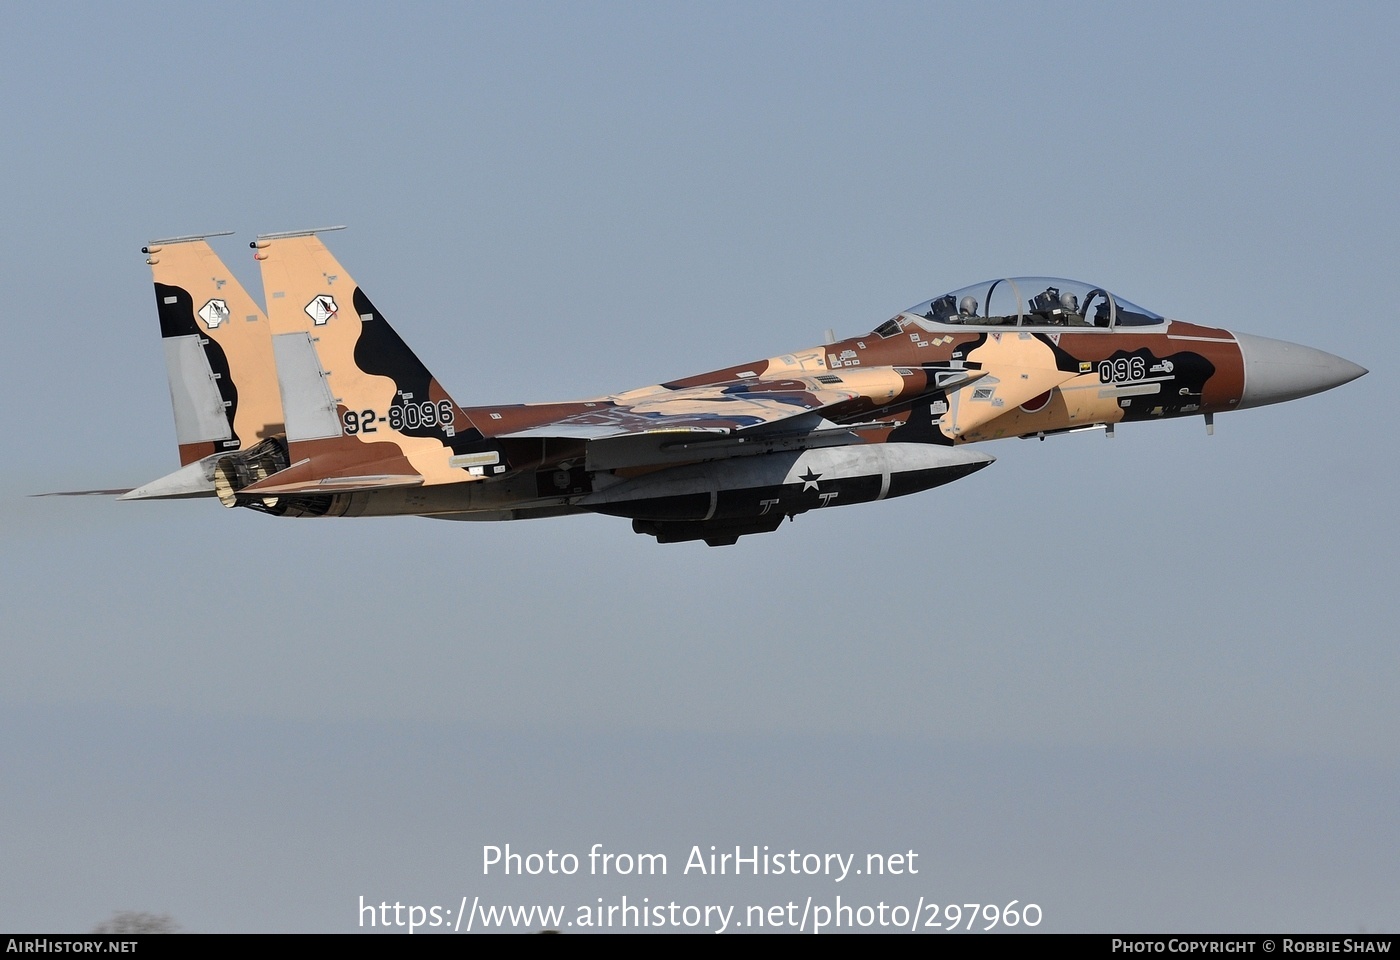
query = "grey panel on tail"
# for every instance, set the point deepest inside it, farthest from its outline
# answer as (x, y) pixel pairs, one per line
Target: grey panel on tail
(306, 397)
(200, 415)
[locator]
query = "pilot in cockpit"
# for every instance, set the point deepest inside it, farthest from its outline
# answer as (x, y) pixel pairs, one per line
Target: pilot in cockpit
(1070, 304)
(967, 309)
(1056, 307)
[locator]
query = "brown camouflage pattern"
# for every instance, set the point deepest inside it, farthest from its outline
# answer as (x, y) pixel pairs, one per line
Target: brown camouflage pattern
(400, 445)
(1044, 380)
(189, 276)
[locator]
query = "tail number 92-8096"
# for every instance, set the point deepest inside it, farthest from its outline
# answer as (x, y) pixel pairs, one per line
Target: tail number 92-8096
(405, 416)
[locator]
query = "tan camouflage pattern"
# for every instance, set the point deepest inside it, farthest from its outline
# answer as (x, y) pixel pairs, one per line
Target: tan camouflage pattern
(240, 340)
(299, 271)
(1041, 380)
(396, 443)
(309, 292)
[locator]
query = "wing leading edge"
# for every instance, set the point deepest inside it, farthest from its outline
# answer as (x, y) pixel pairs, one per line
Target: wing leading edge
(717, 420)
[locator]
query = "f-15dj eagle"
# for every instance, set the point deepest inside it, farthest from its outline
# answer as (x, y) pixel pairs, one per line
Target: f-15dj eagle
(317, 408)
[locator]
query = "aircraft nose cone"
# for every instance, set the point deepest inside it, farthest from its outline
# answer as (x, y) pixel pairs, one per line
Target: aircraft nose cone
(1276, 370)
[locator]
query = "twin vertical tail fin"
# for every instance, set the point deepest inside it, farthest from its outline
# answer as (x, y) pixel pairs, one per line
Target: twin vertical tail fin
(218, 351)
(280, 411)
(362, 411)
(218, 357)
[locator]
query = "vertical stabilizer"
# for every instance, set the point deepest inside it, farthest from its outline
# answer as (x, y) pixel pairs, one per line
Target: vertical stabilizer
(218, 351)
(358, 402)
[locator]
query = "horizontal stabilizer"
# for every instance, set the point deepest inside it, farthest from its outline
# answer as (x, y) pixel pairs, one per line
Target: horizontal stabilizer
(330, 485)
(322, 475)
(192, 480)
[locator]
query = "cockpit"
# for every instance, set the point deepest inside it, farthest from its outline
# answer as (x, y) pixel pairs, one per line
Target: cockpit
(1027, 302)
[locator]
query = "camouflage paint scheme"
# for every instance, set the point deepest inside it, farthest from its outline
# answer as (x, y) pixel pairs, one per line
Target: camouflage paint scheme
(318, 408)
(198, 300)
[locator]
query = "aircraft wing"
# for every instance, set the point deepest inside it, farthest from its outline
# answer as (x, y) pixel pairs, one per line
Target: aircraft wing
(640, 430)
(718, 408)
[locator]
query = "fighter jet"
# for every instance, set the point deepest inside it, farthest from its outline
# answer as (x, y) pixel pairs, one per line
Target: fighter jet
(316, 408)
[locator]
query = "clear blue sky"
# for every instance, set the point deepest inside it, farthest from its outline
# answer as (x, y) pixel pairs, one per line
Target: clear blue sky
(1148, 684)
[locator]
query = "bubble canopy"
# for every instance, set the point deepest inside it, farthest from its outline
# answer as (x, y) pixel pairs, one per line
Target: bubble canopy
(1033, 302)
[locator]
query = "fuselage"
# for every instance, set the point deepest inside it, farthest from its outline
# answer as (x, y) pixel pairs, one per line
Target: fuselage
(1113, 376)
(367, 430)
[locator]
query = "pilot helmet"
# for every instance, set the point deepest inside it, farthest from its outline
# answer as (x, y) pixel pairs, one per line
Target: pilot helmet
(967, 306)
(1069, 301)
